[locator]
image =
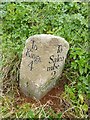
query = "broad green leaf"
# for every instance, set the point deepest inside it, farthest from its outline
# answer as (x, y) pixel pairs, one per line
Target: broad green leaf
(81, 98)
(85, 107)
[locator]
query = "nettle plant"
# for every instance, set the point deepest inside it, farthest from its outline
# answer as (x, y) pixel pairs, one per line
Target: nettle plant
(65, 19)
(80, 58)
(80, 64)
(77, 92)
(80, 69)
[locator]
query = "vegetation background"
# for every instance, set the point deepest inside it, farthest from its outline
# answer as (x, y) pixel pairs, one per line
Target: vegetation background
(20, 20)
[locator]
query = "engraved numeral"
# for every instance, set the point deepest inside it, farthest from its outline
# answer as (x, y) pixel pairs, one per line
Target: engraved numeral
(53, 73)
(31, 65)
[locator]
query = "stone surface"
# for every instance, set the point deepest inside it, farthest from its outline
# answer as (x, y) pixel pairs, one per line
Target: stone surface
(42, 63)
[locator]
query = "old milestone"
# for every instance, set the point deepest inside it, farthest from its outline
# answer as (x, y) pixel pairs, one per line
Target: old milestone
(43, 59)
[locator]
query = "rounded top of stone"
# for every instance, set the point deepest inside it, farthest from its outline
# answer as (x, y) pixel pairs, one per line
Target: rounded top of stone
(47, 37)
(43, 60)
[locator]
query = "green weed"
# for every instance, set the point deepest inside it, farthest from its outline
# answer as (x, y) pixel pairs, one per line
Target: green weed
(65, 19)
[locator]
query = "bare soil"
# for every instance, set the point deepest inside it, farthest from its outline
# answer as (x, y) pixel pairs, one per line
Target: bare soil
(53, 97)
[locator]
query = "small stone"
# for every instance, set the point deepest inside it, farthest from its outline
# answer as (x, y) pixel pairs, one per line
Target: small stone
(42, 63)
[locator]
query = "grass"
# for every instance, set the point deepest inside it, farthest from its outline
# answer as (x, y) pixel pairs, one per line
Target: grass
(65, 19)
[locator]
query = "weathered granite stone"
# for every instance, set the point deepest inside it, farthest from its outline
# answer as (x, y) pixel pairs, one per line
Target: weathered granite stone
(42, 63)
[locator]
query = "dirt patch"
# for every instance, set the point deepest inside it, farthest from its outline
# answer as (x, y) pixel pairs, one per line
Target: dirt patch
(52, 96)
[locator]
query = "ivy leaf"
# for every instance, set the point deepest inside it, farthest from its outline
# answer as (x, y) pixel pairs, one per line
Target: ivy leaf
(30, 114)
(80, 70)
(85, 107)
(81, 98)
(74, 65)
(59, 115)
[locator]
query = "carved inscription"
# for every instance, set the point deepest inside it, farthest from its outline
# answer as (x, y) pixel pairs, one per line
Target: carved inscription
(59, 50)
(34, 59)
(54, 60)
(43, 59)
